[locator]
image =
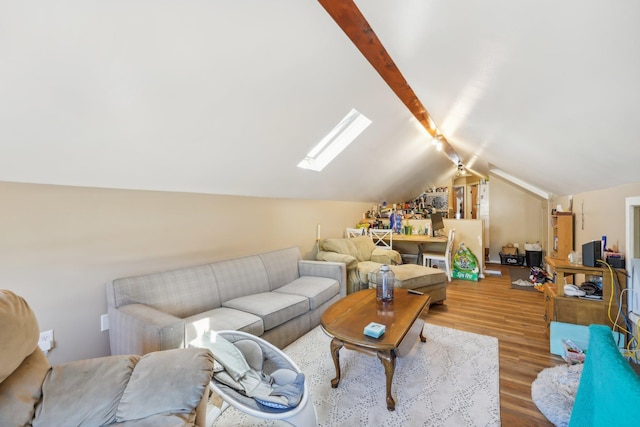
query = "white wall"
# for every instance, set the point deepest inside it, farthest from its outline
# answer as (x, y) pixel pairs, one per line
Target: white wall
(59, 245)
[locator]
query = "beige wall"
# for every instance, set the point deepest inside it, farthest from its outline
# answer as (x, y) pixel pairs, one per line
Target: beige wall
(517, 216)
(600, 213)
(59, 245)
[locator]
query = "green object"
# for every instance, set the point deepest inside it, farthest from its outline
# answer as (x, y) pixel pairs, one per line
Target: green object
(465, 264)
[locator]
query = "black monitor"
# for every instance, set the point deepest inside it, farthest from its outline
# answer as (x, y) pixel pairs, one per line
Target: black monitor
(436, 223)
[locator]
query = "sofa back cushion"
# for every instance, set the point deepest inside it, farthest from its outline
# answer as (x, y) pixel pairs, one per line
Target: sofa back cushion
(281, 266)
(182, 292)
(358, 247)
(364, 247)
(148, 394)
(22, 390)
(240, 276)
(341, 246)
(19, 332)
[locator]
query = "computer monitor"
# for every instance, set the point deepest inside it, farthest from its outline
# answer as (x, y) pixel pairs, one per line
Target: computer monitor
(436, 223)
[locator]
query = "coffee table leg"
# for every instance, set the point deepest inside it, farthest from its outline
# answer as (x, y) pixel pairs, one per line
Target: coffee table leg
(422, 337)
(388, 359)
(336, 345)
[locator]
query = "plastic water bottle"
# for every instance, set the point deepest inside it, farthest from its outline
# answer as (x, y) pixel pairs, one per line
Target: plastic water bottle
(384, 283)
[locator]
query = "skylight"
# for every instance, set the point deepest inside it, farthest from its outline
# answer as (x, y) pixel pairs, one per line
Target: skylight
(337, 140)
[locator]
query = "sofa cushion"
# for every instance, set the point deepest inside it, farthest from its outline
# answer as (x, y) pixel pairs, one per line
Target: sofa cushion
(92, 406)
(19, 332)
(364, 268)
(413, 276)
(317, 289)
(281, 266)
(147, 394)
(240, 276)
(20, 392)
(274, 308)
(159, 420)
(364, 247)
(386, 256)
(220, 319)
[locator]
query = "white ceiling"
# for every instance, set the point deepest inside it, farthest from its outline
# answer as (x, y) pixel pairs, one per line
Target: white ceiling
(227, 97)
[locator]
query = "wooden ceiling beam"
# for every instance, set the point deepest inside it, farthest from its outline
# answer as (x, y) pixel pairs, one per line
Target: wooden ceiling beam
(349, 18)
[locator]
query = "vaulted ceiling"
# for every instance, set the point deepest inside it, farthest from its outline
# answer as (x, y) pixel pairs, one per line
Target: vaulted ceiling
(227, 97)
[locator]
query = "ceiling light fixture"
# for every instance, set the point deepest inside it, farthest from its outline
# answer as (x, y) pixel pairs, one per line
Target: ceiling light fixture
(337, 140)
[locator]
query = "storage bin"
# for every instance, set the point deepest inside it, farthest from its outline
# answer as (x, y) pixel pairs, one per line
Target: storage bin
(506, 259)
(534, 258)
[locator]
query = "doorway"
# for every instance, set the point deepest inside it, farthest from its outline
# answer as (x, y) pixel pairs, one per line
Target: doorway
(458, 200)
(632, 250)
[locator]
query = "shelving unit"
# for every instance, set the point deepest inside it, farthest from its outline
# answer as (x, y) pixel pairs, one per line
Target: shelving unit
(579, 311)
(562, 235)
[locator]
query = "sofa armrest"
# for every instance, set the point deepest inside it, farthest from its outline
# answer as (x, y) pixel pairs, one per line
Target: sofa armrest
(332, 270)
(140, 329)
(350, 261)
(386, 256)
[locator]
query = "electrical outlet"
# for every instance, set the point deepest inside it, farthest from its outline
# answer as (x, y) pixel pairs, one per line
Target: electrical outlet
(104, 322)
(46, 340)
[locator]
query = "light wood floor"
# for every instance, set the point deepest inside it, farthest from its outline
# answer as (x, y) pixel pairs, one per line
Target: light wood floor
(515, 317)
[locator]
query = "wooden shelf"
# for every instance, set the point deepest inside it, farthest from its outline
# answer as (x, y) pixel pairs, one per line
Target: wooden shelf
(562, 235)
(580, 311)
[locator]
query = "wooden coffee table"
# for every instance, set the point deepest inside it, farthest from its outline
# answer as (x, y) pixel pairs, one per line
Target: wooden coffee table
(345, 321)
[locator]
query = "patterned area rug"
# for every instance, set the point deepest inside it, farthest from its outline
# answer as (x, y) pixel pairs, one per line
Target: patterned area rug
(451, 380)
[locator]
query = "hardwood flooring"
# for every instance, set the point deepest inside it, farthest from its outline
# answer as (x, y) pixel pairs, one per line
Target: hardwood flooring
(515, 317)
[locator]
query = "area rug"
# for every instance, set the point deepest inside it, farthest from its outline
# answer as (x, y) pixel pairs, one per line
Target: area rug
(519, 277)
(451, 380)
(554, 391)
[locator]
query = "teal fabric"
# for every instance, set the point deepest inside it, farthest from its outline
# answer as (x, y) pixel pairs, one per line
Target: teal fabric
(609, 390)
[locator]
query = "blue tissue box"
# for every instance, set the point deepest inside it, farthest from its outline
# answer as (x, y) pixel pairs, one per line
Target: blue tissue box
(374, 330)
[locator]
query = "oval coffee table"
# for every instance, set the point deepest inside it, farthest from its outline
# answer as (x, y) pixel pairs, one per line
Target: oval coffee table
(345, 321)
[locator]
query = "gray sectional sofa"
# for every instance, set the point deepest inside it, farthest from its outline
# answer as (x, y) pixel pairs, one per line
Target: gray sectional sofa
(275, 295)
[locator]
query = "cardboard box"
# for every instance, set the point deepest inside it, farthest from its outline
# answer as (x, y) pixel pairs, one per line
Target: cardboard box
(509, 250)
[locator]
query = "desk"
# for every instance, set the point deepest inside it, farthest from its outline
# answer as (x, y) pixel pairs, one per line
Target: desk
(417, 240)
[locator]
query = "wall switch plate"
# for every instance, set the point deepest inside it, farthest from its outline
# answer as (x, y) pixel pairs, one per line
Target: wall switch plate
(104, 322)
(46, 340)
